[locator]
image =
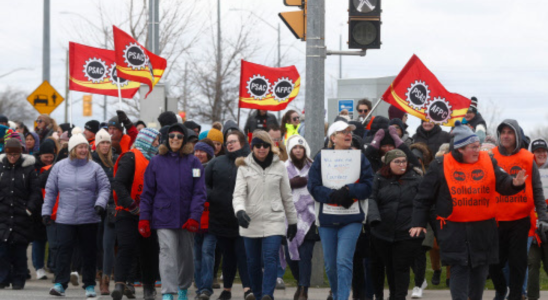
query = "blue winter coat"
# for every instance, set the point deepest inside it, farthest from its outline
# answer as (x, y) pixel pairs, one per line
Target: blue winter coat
(81, 185)
(174, 189)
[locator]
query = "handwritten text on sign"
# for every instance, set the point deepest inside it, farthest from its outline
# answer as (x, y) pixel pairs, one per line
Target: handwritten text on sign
(339, 168)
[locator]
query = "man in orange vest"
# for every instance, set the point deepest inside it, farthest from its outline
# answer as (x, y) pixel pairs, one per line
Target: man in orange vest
(462, 186)
(116, 131)
(513, 211)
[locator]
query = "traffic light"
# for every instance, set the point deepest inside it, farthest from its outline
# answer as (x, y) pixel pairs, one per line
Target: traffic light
(87, 106)
(364, 24)
(295, 20)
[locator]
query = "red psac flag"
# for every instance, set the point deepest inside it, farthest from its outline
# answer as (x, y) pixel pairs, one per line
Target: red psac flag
(418, 92)
(135, 62)
(93, 70)
(267, 88)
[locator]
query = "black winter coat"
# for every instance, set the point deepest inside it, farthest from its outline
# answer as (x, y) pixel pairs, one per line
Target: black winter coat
(122, 183)
(19, 192)
(110, 174)
(220, 179)
(433, 138)
(391, 206)
(374, 156)
(459, 241)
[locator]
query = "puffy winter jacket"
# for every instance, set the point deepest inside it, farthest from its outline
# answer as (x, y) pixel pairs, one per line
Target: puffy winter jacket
(82, 184)
(19, 192)
(265, 195)
(391, 206)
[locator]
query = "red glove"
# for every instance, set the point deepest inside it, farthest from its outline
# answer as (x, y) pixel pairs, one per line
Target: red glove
(144, 228)
(191, 225)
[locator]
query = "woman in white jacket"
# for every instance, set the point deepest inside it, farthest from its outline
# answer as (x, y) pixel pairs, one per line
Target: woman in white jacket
(262, 201)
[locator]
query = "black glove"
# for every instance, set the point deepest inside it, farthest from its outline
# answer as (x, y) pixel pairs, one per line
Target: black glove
(122, 118)
(99, 210)
(291, 231)
(542, 231)
(336, 197)
(47, 220)
(243, 218)
(346, 200)
(298, 182)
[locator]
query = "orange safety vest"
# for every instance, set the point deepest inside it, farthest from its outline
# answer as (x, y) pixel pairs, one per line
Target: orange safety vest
(54, 210)
(518, 206)
(125, 143)
(472, 188)
(141, 164)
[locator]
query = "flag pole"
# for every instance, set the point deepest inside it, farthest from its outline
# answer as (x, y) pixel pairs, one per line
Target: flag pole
(372, 110)
(238, 115)
(70, 104)
(119, 90)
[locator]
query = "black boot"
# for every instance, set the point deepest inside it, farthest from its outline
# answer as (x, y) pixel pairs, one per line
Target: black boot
(149, 292)
(297, 293)
(129, 291)
(118, 291)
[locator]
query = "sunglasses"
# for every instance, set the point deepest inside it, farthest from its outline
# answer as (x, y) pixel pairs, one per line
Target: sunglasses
(262, 145)
(363, 110)
(295, 119)
(176, 135)
(39, 121)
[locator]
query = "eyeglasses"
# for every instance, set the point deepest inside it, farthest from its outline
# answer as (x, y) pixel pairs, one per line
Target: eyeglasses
(178, 136)
(400, 162)
(231, 142)
(474, 148)
(363, 110)
(295, 119)
(262, 145)
(39, 121)
(345, 132)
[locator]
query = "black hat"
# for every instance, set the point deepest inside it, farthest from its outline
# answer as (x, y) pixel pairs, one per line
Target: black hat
(47, 147)
(190, 124)
(140, 122)
(66, 127)
(13, 145)
(167, 118)
(92, 126)
(104, 125)
(473, 105)
(3, 119)
(539, 144)
(114, 122)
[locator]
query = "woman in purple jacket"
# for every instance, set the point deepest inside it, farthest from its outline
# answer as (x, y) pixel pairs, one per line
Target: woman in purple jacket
(172, 202)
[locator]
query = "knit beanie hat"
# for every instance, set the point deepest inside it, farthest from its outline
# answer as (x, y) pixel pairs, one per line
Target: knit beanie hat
(140, 122)
(167, 118)
(66, 126)
(143, 142)
(215, 135)
(3, 119)
(463, 135)
(206, 148)
(203, 135)
(76, 140)
(13, 146)
(92, 126)
(393, 154)
(387, 139)
(297, 140)
(102, 136)
(395, 113)
(115, 122)
(47, 147)
(76, 130)
(474, 105)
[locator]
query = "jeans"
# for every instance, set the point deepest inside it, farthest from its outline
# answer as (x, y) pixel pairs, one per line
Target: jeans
(13, 264)
(267, 248)
(512, 249)
(398, 257)
(131, 245)
(70, 237)
(302, 269)
(38, 254)
(234, 257)
(467, 283)
(52, 246)
(109, 241)
(204, 261)
(338, 245)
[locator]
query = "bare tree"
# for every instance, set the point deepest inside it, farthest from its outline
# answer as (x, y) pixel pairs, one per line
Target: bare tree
(14, 105)
(491, 113)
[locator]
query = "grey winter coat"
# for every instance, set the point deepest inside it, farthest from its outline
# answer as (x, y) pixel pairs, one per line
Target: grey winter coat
(81, 185)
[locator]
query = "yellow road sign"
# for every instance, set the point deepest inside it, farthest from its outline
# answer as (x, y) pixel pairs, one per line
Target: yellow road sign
(45, 98)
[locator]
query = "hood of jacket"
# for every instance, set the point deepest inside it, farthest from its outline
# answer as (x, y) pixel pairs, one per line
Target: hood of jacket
(230, 125)
(187, 148)
(517, 131)
(25, 161)
(190, 124)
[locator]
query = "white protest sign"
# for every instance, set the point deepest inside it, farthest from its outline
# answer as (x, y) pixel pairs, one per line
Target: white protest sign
(339, 168)
(544, 180)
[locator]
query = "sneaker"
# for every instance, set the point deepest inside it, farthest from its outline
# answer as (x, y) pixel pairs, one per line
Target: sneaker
(57, 290)
(215, 284)
(436, 277)
(280, 284)
(17, 286)
(158, 283)
(249, 295)
(225, 295)
(266, 297)
(90, 291)
(417, 293)
(424, 285)
(204, 296)
(167, 297)
(137, 284)
(41, 274)
(181, 295)
(74, 278)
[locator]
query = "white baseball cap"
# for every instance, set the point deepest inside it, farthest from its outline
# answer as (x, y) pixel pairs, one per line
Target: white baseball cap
(339, 126)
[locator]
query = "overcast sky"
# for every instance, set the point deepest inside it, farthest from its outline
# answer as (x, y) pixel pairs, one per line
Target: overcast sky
(494, 50)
